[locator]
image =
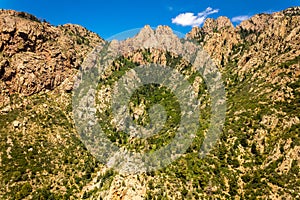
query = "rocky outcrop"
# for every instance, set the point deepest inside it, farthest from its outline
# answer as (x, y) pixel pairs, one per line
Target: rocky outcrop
(262, 39)
(35, 56)
(218, 37)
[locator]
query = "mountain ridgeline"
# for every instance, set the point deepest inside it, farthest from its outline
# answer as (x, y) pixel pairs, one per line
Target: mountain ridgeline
(256, 156)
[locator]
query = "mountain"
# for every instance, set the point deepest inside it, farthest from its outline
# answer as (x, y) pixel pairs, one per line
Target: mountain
(36, 56)
(257, 155)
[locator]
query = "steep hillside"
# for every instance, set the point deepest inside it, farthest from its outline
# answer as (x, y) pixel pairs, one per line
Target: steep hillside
(257, 156)
(41, 155)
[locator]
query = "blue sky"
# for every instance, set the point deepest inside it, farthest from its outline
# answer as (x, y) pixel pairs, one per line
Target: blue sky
(111, 17)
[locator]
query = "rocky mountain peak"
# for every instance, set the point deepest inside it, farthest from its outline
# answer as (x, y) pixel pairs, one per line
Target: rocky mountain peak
(164, 30)
(223, 22)
(292, 11)
(212, 25)
(196, 34)
(265, 33)
(209, 25)
(14, 13)
(256, 23)
(161, 37)
(146, 31)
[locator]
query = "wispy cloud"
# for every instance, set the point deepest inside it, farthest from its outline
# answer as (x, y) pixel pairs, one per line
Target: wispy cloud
(190, 19)
(170, 8)
(241, 18)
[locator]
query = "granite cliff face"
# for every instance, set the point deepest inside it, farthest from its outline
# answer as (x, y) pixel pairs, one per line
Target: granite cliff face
(263, 39)
(258, 153)
(36, 56)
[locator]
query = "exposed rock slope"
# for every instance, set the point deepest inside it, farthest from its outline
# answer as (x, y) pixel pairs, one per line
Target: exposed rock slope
(36, 56)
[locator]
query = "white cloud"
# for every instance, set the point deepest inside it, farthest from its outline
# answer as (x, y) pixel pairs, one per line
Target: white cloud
(240, 18)
(190, 19)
